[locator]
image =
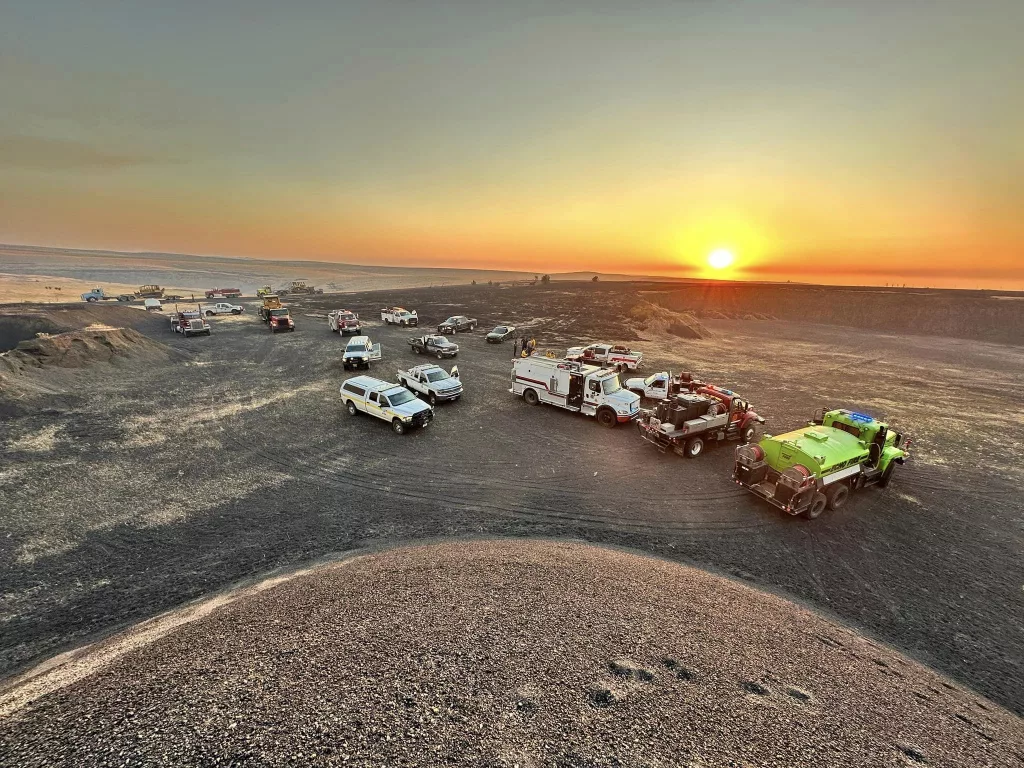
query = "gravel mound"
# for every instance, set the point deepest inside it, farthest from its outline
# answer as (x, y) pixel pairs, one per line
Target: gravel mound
(503, 653)
(656, 319)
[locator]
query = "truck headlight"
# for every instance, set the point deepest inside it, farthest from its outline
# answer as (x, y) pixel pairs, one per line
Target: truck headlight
(407, 418)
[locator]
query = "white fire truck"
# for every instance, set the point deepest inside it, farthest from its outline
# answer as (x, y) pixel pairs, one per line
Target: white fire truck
(586, 389)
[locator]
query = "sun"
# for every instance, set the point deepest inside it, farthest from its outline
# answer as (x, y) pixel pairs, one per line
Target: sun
(720, 258)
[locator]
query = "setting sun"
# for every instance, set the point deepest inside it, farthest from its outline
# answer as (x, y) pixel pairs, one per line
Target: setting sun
(720, 258)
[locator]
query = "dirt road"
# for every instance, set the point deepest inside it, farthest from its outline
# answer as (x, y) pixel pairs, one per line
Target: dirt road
(152, 486)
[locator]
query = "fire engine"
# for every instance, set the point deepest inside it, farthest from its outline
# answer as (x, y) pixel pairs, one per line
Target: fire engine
(587, 389)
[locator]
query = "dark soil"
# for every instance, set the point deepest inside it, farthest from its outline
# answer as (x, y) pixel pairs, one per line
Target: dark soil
(151, 487)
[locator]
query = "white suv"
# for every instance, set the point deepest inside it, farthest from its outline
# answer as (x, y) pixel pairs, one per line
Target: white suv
(387, 401)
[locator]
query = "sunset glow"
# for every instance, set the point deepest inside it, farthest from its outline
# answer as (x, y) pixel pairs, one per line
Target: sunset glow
(833, 145)
(720, 258)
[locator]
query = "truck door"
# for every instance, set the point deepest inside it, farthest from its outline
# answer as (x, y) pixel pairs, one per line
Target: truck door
(575, 398)
(373, 405)
(658, 389)
(375, 351)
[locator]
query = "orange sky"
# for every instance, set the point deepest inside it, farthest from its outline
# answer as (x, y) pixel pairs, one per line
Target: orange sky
(840, 144)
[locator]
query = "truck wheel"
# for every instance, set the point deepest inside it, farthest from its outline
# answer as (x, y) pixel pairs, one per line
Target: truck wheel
(236, 311)
(209, 313)
(439, 356)
(530, 396)
(398, 427)
(818, 504)
(694, 447)
(351, 408)
(748, 434)
(432, 399)
(606, 417)
(886, 478)
(91, 299)
(837, 494)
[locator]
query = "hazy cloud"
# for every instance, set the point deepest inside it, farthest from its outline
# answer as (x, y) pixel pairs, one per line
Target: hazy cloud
(35, 153)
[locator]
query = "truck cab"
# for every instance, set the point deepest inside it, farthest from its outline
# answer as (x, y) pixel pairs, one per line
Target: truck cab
(386, 401)
(343, 321)
(359, 352)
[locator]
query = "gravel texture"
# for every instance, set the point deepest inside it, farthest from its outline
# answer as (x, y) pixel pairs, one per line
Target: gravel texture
(509, 653)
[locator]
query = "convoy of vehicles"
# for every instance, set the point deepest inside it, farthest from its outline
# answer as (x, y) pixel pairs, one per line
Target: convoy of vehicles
(432, 381)
(615, 355)
(144, 292)
(359, 352)
(190, 323)
(804, 471)
(435, 345)
(342, 321)
(221, 308)
(399, 316)
(500, 333)
(587, 389)
(687, 422)
(389, 402)
(456, 324)
(224, 293)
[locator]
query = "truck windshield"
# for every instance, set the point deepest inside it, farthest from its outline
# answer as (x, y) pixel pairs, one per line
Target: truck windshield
(610, 385)
(436, 376)
(651, 379)
(400, 396)
(356, 348)
(279, 312)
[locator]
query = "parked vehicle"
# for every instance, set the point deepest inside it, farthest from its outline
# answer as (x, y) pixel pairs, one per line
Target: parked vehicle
(820, 465)
(298, 286)
(190, 323)
(221, 308)
(399, 316)
(432, 381)
(500, 333)
(270, 302)
(686, 423)
(587, 389)
(265, 290)
(438, 346)
(343, 321)
(224, 293)
(456, 324)
(359, 352)
(97, 294)
(149, 292)
(615, 355)
(664, 384)
(153, 305)
(386, 401)
(280, 319)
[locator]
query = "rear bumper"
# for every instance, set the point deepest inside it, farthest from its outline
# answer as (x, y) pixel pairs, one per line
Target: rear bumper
(766, 492)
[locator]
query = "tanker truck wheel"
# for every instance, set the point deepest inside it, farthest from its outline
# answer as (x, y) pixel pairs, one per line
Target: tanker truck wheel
(886, 477)
(837, 494)
(818, 504)
(530, 396)
(694, 447)
(606, 417)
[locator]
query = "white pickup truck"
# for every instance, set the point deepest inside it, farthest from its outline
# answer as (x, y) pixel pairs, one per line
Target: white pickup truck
(399, 316)
(221, 308)
(663, 384)
(359, 352)
(386, 401)
(432, 381)
(612, 355)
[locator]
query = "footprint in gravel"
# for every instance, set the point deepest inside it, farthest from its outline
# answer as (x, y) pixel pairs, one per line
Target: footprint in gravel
(914, 755)
(754, 687)
(627, 669)
(798, 695)
(680, 671)
(600, 696)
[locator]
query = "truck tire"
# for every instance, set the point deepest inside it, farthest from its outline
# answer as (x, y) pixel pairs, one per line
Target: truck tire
(694, 447)
(606, 417)
(747, 434)
(886, 477)
(416, 350)
(837, 494)
(398, 427)
(91, 299)
(236, 311)
(209, 313)
(351, 408)
(439, 356)
(432, 399)
(531, 397)
(818, 504)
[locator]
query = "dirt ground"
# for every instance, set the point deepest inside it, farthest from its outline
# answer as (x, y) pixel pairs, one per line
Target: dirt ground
(504, 653)
(144, 487)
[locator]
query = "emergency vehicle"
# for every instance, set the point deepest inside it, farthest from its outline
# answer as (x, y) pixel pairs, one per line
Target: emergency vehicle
(616, 355)
(587, 389)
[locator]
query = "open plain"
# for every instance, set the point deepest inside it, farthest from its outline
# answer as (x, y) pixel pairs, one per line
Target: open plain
(133, 486)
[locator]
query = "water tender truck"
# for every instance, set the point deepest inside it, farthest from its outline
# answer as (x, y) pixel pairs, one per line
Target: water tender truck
(818, 466)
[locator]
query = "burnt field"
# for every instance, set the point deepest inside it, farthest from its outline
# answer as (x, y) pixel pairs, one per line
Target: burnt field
(135, 487)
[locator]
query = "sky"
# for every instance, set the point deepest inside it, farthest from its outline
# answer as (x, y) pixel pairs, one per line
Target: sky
(866, 142)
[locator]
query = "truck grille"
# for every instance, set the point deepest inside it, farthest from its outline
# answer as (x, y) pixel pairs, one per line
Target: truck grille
(423, 417)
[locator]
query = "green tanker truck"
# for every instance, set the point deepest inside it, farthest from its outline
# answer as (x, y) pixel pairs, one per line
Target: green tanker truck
(818, 466)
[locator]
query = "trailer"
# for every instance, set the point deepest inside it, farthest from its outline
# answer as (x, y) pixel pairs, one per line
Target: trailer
(586, 389)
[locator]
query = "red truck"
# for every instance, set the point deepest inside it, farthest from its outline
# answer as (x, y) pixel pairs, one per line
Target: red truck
(224, 293)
